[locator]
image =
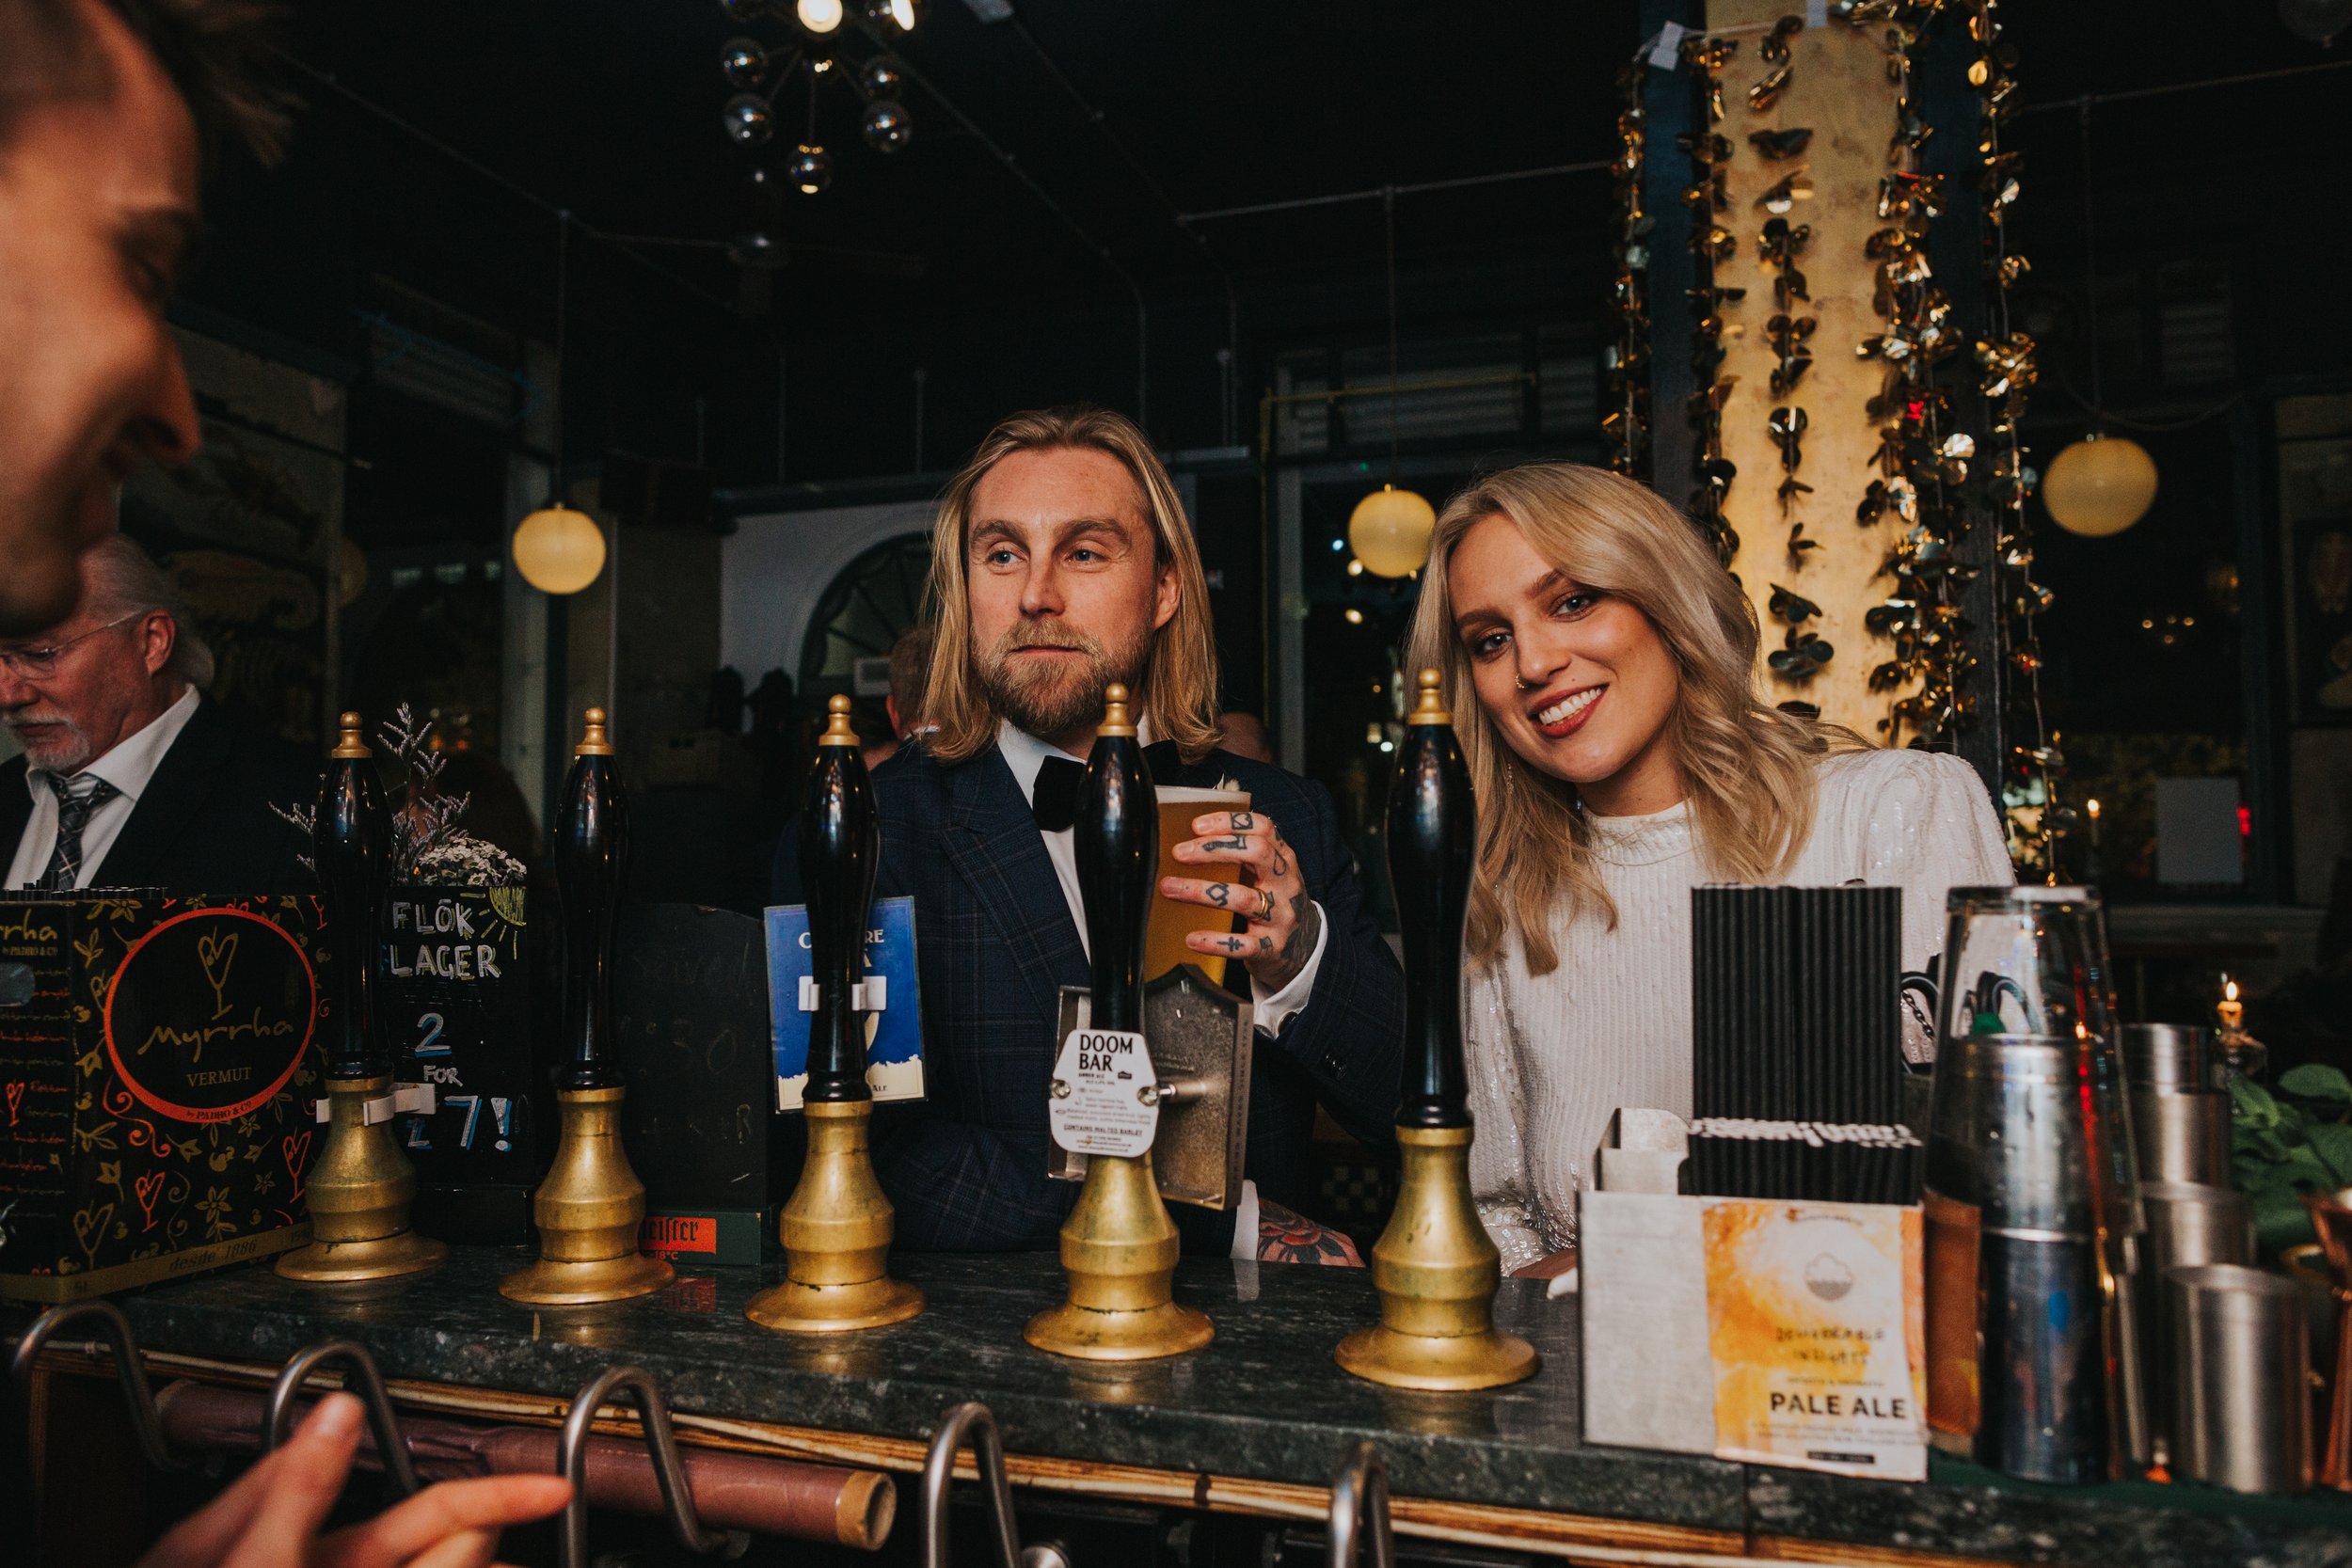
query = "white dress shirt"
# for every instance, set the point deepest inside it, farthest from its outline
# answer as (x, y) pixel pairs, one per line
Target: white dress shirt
(1025, 754)
(129, 766)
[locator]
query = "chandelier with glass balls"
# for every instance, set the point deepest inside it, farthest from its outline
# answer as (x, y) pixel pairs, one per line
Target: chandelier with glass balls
(811, 55)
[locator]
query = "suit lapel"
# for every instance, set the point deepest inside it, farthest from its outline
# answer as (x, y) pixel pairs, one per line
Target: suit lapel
(182, 783)
(992, 841)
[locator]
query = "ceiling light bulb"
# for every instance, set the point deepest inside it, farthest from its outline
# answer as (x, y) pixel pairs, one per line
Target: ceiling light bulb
(748, 120)
(810, 169)
(558, 549)
(744, 63)
(2100, 486)
(902, 12)
(818, 16)
(886, 125)
(1391, 529)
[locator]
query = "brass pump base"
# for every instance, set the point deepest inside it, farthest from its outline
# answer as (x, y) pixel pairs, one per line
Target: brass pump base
(837, 1233)
(589, 1211)
(1436, 1270)
(1119, 1248)
(360, 1192)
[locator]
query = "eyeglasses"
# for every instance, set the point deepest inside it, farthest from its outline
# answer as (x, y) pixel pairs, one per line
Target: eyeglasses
(33, 661)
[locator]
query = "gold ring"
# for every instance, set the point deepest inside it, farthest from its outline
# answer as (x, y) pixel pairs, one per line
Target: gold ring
(1267, 899)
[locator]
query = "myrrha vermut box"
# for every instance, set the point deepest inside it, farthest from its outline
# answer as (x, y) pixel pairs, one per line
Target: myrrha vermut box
(156, 1076)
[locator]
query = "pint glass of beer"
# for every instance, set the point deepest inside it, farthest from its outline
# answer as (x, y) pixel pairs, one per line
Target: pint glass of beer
(1172, 921)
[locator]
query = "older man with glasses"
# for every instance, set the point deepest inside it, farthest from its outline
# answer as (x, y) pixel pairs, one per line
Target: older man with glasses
(132, 776)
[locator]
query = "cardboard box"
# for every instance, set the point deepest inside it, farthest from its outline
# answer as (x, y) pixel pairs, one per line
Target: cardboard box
(157, 1075)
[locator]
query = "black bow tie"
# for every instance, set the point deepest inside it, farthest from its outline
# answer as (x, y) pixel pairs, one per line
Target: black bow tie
(1054, 799)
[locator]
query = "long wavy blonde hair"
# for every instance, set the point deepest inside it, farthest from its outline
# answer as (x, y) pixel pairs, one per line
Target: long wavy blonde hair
(1747, 768)
(1180, 677)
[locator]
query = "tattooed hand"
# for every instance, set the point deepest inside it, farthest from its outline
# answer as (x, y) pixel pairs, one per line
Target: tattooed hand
(1286, 1236)
(1281, 922)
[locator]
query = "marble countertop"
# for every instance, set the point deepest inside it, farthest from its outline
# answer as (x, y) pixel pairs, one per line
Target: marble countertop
(1264, 1401)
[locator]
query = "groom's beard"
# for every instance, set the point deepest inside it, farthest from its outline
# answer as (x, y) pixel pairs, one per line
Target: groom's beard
(1050, 698)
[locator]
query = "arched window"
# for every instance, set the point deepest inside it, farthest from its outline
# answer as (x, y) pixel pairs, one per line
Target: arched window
(877, 596)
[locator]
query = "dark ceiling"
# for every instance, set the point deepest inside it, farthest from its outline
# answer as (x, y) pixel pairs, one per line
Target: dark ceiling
(613, 108)
(438, 132)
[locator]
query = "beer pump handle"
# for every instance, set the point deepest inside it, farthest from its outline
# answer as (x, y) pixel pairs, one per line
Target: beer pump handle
(1118, 851)
(1433, 834)
(840, 850)
(590, 848)
(351, 848)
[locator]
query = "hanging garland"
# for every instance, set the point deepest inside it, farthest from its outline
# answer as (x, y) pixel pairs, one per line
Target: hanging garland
(1923, 458)
(1931, 472)
(1626, 426)
(1712, 243)
(2030, 808)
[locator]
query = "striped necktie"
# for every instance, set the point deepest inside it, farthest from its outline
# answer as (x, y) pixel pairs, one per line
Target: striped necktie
(77, 797)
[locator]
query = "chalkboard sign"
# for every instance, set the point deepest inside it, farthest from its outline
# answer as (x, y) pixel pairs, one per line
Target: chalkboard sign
(690, 1006)
(455, 998)
(156, 1086)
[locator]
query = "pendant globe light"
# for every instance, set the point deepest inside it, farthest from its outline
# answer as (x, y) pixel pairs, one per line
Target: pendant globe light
(558, 549)
(2103, 483)
(1389, 529)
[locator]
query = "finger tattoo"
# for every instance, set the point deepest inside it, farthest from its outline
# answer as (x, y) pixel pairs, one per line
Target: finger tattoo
(1300, 945)
(1243, 822)
(1220, 894)
(1236, 844)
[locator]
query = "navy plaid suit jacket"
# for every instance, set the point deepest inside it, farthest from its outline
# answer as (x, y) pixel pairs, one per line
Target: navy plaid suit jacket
(994, 943)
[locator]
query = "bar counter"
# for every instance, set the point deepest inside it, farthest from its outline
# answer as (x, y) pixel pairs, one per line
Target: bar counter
(1254, 1424)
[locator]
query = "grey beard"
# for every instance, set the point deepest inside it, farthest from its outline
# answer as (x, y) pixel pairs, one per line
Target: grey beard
(66, 757)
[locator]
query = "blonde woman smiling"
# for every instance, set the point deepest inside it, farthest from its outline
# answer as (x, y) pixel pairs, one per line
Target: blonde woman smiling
(1600, 666)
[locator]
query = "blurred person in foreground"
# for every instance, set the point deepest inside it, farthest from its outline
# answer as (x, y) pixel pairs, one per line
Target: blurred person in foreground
(102, 102)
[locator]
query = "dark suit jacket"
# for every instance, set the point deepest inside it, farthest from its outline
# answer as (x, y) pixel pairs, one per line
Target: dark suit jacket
(994, 939)
(203, 823)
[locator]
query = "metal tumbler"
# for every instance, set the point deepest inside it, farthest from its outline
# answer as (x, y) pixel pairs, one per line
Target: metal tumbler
(2177, 1076)
(2187, 1225)
(2027, 967)
(2017, 1352)
(2242, 1371)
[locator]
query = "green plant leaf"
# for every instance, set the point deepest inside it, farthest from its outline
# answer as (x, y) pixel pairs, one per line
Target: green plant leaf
(2334, 1144)
(2250, 1103)
(2317, 1081)
(2281, 1221)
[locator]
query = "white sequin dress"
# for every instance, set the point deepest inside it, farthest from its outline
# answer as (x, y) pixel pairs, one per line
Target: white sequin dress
(1551, 1058)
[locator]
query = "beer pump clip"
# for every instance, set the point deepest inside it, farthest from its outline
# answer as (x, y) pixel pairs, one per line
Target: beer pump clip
(1200, 1050)
(405, 1099)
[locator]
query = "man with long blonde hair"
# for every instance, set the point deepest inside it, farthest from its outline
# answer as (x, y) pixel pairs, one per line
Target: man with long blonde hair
(1062, 563)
